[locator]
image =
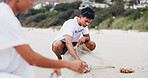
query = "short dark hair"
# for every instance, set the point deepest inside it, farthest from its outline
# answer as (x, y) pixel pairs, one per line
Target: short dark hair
(88, 12)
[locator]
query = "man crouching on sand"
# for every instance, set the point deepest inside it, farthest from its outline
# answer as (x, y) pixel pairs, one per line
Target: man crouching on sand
(69, 36)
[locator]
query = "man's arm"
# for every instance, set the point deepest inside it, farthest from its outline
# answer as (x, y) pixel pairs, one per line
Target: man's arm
(70, 47)
(35, 59)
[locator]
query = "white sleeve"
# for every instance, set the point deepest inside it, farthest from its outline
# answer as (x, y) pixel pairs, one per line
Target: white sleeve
(11, 33)
(67, 28)
(85, 31)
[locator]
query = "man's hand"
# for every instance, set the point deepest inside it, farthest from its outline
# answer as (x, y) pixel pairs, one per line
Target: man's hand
(81, 41)
(70, 47)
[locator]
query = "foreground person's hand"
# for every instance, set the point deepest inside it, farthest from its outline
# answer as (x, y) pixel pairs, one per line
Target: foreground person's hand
(86, 67)
(77, 66)
(84, 63)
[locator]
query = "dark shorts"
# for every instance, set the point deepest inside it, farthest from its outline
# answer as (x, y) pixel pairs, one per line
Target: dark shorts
(64, 50)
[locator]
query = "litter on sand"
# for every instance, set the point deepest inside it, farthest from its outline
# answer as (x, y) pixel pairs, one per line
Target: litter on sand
(126, 70)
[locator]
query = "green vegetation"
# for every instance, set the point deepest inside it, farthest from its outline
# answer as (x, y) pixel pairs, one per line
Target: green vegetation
(43, 18)
(127, 19)
(114, 17)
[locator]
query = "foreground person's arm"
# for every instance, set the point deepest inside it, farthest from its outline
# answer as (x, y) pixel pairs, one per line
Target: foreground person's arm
(36, 59)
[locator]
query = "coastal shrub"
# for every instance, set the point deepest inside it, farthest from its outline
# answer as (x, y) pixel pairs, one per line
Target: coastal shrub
(106, 23)
(128, 12)
(45, 23)
(39, 17)
(62, 7)
(29, 20)
(54, 22)
(43, 10)
(96, 9)
(116, 10)
(75, 13)
(145, 13)
(66, 6)
(36, 18)
(99, 17)
(121, 23)
(48, 7)
(143, 9)
(76, 4)
(65, 15)
(140, 24)
(31, 12)
(135, 15)
(61, 18)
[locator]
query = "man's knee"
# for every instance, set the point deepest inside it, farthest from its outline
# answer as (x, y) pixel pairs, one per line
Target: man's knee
(57, 48)
(57, 45)
(90, 45)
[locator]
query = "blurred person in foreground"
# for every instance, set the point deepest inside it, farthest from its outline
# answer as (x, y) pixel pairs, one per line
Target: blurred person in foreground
(70, 36)
(16, 56)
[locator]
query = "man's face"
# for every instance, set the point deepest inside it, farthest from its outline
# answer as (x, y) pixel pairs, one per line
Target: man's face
(85, 21)
(24, 5)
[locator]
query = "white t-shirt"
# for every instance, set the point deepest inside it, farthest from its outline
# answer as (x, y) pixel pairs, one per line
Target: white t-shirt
(72, 28)
(11, 34)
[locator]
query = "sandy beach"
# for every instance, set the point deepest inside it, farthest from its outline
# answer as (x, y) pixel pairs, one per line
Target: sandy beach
(118, 48)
